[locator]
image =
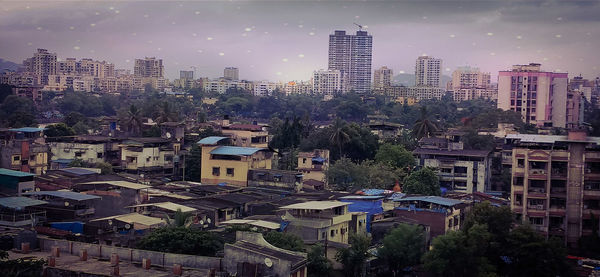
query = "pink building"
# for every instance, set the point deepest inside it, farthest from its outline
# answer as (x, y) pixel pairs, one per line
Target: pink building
(540, 97)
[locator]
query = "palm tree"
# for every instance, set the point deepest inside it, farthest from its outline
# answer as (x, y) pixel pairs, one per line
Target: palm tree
(165, 113)
(180, 219)
(134, 119)
(339, 136)
(423, 126)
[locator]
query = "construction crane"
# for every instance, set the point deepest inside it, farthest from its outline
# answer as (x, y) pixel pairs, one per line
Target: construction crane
(360, 27)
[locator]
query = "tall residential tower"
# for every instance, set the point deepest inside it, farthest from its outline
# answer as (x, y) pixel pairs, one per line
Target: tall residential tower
(428, 72)
(351, 55)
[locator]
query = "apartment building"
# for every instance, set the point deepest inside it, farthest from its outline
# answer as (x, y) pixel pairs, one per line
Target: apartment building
(293, 87)
(352, 55)
(382, 78)
(327, 83)
(247, 135)
(540, 97)
(428, 71)
(24, 149)
(231, 73)
(318, 221)
(313, 165)
(41, 65)
(556, 183)
(222, 163)
(470, 77)
(149, 67)
(150, 155)
(90, 149)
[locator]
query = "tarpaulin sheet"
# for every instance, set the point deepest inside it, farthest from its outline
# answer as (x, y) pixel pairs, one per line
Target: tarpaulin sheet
(370, 207)
(74, 227)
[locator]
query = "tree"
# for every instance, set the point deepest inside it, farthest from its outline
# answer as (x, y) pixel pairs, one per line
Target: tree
(21, 267)
(339, 136)
(395, 156)
(105, 168)
(154, 131)
(497, 219)
(133, 119)
(17, 112)
(165, 113)
(402, 247)
(354, 257)
(180, 219)
(423, 181)
(181, 240)
(5, 91)
(346, 175)
(193, 163)
(58, 130)
(285, 241)
(423, 126)
(318, 265)
(472, 140)
(589, 245)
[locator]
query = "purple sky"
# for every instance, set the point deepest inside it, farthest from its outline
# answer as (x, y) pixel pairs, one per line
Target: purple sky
(287, 40)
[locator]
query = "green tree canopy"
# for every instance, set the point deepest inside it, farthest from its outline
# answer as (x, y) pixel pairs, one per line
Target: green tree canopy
(349, 176)
(395, 156)
(181, 240)
(423, 181)
(17, 112)
(318, 265)
(403, 247)
(193, 163)
(59, 130)
(354, 257)
(285, 241)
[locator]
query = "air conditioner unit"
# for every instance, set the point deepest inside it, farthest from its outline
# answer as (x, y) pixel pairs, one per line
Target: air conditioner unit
(539, 207)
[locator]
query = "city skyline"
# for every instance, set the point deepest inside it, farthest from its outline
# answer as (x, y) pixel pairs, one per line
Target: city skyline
(267, 42)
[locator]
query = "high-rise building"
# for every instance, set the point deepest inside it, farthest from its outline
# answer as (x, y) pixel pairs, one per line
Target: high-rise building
(427, 71)
(327, 83)
(231, 73)
(183, 74)
(42, 64)
(556, 183)
(382, 78)
(540, 97)
(148, 67)
(351, 55)
(470, 77)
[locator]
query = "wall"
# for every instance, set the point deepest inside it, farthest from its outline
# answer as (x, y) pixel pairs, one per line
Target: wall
(89, 152)
(130, 254)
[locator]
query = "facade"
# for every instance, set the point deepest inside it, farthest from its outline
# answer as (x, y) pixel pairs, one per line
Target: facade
(90, 149)
(276, 179)
(42, 64)
(231, 73)
(24, 149)
(149, 67)
(382, 78)
(319, 221)
(470, 77)
(313, 165)
(183, 74)
(15, 183)
(575, 109)
(247, 135)
(149, 155)
(556, 183)
(351, 55)
(465, 94)
(264, 88)
(294, 87)
(428, 71)
(220, 86)
(327, 83)
(230, 164)
(442, 215)
(540, 97)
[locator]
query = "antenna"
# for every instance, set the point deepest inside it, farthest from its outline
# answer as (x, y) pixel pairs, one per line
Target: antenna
(360, 27)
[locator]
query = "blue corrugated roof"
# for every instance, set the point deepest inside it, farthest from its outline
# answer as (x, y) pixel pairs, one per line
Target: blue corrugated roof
(27, 130)
(65, 194)
(14, 173)
(78, 171)
(432, 199)
(235, 151)
(362, 197)
(211, 140)
(20, 202)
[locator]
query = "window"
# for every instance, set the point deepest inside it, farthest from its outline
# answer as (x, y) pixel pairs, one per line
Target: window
(99, 155)
(16, 158)
(450, 223)
(216, 171)
(230, 172)
(303, 160)
(536, 220)
(78, 154)
(332, 233)
(520, 163)
(148, 159)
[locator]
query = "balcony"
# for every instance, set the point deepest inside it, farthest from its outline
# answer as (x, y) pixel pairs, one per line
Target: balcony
(539, 207)
(22, 219)
(538, 174)
(460, 175)
(341, 218)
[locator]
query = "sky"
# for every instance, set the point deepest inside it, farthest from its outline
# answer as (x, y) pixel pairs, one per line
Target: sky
(288, 40)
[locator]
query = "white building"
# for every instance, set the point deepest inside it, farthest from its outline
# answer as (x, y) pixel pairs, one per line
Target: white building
(382, 78)
(231, 73)
(428, 71)
(327, 83)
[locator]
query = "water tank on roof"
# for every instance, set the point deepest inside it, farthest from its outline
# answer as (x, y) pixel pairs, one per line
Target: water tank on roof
(26, 236)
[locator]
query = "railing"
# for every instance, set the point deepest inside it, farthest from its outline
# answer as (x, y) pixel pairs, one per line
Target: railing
(537, 172)
(558, 189)
(536, 207)
(537, 190)
(557, 207)
(460, 174)
(13, 218)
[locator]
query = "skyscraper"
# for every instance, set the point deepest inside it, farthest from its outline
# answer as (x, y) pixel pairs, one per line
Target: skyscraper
(184, 74)
(42, 64)
(148, 67)
(231, 73)
(382, 78)
(427, 71)
(540, 97)
(351, 55)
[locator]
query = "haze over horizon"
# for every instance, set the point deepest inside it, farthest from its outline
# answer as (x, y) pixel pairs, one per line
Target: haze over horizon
(284, 41)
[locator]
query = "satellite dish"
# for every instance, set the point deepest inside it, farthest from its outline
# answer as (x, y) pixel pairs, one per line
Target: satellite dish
(168, 135)
(66, 204)
(110, 222)
(208, 220)
(268, 262)
(254, 229)
(115, 229)
(127, 226)
(201, 222)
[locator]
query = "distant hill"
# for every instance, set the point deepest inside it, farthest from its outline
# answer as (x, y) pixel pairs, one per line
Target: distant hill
(4, 64)
(409, 79)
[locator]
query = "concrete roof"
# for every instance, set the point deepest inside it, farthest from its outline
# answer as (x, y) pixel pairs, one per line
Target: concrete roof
(315, 205)
(235, 151)
(14, 173)
(65, 194)
(546, 138)
(431, 199)
(468, 153)
(254, 222)
(133, 218)
(211, 140)
(123, 184)
(167, 206)
(20, 202)
(78, 171)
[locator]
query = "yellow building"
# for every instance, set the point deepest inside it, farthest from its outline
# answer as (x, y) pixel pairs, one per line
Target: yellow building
(314, 164)
(406, 100)
(230, 164)
(314, 221)
(148, 155)
(247, 135)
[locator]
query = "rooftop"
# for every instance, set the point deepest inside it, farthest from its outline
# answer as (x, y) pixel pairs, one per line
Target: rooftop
(167, 206)
(78, 171)
(27, 130)
(254, 222)
(468, 153)
(211, 140)
(431, 199)
(235, 151)
(249, 127)
(315, 205)
(64, 194)
(20, 202)
(123, 184)
(546, 138)
(135, 218)
(14, 173)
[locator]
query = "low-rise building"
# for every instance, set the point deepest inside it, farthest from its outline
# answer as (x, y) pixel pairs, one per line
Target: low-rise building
(440, 214)
(318, 221)
(89, 149)
(66, 205)
(149, 155)
(247, 135)
(24, 149)
(277, 179)
(230, 164)
(21, 211)
(15, 183)
(313, 165)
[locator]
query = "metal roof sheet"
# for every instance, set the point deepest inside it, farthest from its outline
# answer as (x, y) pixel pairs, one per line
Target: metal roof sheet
(432, 199)
(315, 205)
(135, 218)
(27, 129)
(235, 151)
(20, 202)
(14, 173)
(65, 194)
(78, 171)
(211, 140)
(123, 184)
(168, 206)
